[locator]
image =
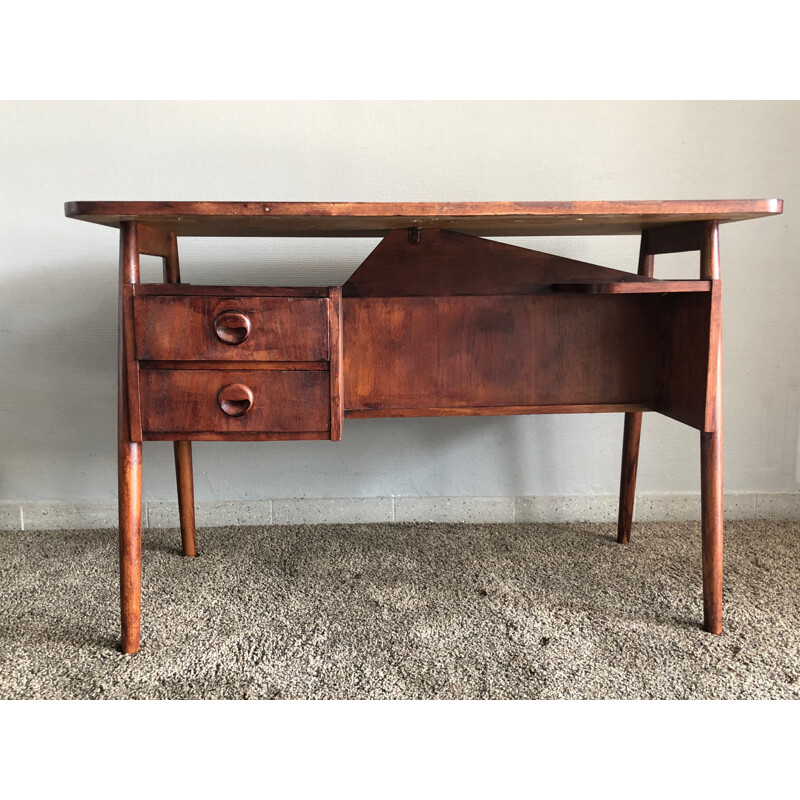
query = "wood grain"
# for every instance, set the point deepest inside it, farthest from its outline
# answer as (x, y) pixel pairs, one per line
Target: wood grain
(131, 364)
(186, 401)
(183, 328)
(217, 365)
(629, 287)
(466, 352)
(711, 444)
(488, 411)
(129, 463)
(632, 427)
(159, 242)
(445, 263)
(197, 290)
(167, 247)
(631, 435)
(185, 481)
(269, 218)
(681, 238)
(234, 436)
(684, 322)
(336, 362)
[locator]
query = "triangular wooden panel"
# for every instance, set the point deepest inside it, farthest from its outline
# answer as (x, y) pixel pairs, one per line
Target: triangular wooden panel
(444, 263)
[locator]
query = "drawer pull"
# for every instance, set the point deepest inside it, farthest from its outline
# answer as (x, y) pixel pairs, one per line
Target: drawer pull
(232, 327)
(235, 399)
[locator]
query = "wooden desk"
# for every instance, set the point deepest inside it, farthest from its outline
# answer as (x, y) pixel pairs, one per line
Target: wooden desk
(436, 322)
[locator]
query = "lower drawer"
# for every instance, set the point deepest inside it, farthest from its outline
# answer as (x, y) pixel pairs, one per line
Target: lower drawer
(219, 404)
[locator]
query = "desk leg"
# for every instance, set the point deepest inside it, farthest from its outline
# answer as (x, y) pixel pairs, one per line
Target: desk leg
(711, 502)
(711, 499)
(129, 466)
(627, 482)
(130, 542)
(632, 434)
(183, 472)
(183, 450)
(711, 442)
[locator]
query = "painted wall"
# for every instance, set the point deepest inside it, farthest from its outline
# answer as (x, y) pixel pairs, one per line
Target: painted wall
(58, 280)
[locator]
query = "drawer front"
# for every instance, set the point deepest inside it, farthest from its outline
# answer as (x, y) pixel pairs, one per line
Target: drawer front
(196, 328)
(197, 401)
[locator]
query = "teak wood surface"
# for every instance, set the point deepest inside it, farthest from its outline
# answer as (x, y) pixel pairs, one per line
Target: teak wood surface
(190, 328)
(165, 244)
(187, 403)
(437, 321)
(377, 219)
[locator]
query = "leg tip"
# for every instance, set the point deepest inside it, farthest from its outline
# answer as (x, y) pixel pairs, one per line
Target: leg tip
(129, 643)
(712, 623)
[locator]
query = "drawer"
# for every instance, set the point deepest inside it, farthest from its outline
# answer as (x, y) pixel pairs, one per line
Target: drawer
(199, 328)
(234, 401)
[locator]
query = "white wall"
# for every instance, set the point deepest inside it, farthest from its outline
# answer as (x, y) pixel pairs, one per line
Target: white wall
(58, 279)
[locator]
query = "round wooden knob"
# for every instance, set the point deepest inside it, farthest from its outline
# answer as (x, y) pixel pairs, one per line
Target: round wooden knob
(231, 326)
(235, 399)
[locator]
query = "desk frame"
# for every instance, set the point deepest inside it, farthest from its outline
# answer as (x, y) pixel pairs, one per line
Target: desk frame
(665, 230)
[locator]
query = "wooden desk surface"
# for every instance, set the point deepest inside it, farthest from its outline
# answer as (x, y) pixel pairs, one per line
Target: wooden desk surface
(589, 218)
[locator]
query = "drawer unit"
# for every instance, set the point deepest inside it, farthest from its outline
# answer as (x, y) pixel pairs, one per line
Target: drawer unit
(231, 328)
(221, 403)
(234, 363)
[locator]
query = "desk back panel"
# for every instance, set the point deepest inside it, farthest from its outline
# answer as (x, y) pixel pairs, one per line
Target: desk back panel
(428, 353)
(415, 356)
(689, 341)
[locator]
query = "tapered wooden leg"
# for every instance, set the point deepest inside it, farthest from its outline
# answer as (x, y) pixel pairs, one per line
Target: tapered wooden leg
(183, 450)
(129, 465)
(632, 433)
(130, 542)
(183, 472)
(711, 502)
(627, 482)
(129, 474)
(711, 442)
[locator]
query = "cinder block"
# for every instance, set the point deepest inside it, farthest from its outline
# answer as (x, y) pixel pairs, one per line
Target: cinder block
(311, 511)
(10, 519)
(58, 516)
(454, 509)
(563, 508)
(212, 515)
(774, 505)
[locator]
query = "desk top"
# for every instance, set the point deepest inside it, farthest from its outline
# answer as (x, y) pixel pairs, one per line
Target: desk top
(585, 218)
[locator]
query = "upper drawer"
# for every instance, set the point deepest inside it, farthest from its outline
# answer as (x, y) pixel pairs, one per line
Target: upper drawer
(194, 328)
